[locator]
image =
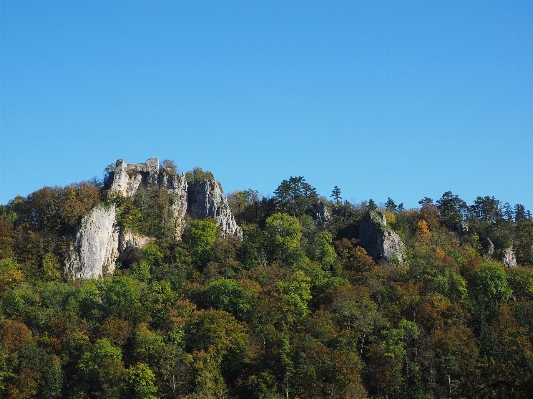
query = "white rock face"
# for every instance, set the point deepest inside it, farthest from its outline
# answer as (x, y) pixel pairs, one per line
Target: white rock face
(95, 249)
(100, 242)
(207, 200)
(130, 239)
(509, 257)
(128, 178)
(176, 185)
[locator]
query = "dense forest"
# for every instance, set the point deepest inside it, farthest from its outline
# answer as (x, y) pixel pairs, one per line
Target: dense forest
(297, 309)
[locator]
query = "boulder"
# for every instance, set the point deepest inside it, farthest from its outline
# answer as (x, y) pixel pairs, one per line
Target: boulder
(379, 241)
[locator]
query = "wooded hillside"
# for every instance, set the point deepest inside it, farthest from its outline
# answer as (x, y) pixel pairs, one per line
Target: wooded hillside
(297, 309)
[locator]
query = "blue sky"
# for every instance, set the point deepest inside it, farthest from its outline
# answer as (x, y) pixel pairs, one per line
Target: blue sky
(383, 99)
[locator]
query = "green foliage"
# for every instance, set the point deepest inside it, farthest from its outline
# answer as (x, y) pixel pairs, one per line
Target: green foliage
(336, 195)
(142, 381)
(51, 268)
(521, 282)
(322, 250)
(296, 291)
(282, 236)
(228, 295)
(490, 281)
(200, 236)
(99, 353)
(197, 175)
(295, 196)
(287, 312)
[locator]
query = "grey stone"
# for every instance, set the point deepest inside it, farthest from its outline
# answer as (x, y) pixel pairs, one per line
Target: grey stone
(509, 257)
(100, 242)
(322, 216)
(95, 248)
(379, 241)
(127, 178)
(206, 199)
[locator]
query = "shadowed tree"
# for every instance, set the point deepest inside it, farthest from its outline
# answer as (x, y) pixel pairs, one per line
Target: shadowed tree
(295, 196)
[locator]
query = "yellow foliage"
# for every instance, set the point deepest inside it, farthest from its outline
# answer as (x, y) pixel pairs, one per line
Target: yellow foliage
(422, 228)
(440, 253)
(390, 217)
(10, 274)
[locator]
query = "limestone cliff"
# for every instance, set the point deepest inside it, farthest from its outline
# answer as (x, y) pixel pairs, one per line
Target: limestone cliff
(126, 179)
(100, 241)
(206, 199)
(95, 248)
(379, 241)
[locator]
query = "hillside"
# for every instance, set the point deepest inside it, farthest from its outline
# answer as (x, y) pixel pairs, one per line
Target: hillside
(151, 283)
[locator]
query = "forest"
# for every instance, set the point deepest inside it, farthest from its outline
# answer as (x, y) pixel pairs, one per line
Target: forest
(296, 309)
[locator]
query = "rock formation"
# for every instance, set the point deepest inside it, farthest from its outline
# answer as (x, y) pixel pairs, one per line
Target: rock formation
(509, 257)
(206, 199)
(321, 215)
(100, 241)
(379, 241)
(95, 248)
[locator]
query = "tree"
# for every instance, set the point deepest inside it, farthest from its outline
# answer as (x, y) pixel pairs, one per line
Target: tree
(390, 205)
(142, 381)
(520, 213)
(452, 210)
(228, 295)
(295, 196)
(169, 166)
(322, 250)
(197, 175)
(336, 195)
(491, 288)
(283, 233)
(122, 298)
(200, 236)
(425, 201)
(486, 209)
(102, 369)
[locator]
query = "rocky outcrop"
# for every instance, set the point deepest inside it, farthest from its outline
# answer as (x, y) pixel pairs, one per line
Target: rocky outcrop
(129, 244)
(95, 248)
(379, 241)
(509, 257)
(176, 186)
(207, 200)
(126, 179)
(322, 216)
(100, 241)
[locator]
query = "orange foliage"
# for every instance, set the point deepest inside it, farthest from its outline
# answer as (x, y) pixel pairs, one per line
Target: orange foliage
(25, 385)
(14, 334)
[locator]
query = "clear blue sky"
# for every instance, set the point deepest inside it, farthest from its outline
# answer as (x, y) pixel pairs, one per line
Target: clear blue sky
(383, 99)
